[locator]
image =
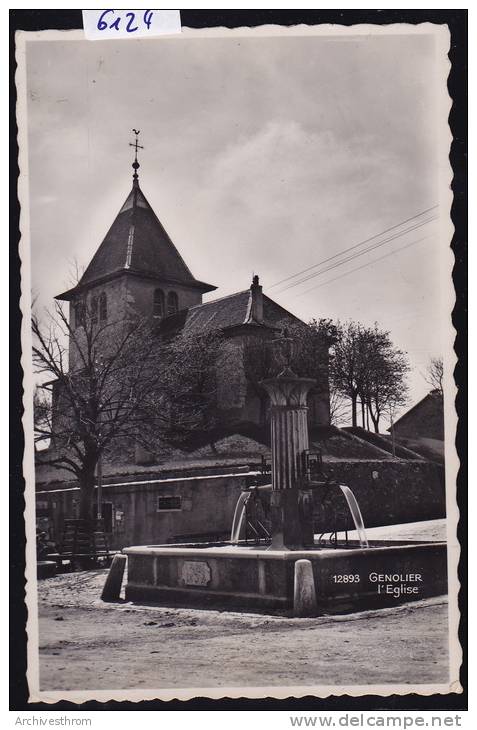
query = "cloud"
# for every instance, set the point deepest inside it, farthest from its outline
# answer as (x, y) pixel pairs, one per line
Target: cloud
(45, 199)
(263, 155)
(286, 189)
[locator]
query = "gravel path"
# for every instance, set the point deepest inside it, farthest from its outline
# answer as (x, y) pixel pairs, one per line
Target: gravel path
(86, 644)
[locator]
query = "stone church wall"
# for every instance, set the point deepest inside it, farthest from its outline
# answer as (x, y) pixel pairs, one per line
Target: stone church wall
(243, 402)
(115, 292)
(140, 295)
(126, 296)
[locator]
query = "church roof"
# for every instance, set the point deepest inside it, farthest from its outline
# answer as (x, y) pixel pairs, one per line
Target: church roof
(220, 313)
(225, 313)
(137, 243)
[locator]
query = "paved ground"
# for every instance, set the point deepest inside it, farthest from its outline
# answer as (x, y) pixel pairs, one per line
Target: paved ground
(431, 530)
(86, 644)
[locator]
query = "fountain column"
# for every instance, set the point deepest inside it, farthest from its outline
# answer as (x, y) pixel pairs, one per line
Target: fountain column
(291, 502)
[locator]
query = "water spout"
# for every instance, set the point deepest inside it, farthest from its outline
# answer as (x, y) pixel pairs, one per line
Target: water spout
(356, 515)
(239, 515)
(240, 507)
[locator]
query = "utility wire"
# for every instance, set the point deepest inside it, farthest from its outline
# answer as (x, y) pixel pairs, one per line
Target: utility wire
(363, 266)
(359, 253)
(356, 245)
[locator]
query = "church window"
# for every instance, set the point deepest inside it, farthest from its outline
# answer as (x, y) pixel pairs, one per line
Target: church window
(79, 314)
(172, 303)
(103, 308)
(158, 303)
(94, 309)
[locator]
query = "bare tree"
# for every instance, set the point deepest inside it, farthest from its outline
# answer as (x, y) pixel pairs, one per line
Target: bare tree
(311, 358)
(339, 407)
(385, 387)
(124, 386)
(435, 374)
(189, 384)
(348, 371)
(98, 400)
(367, 367)
(390, 411)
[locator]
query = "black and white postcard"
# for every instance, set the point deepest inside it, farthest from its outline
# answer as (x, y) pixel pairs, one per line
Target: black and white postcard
(238, 363)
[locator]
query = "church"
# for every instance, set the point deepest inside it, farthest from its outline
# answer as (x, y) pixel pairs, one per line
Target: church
(137, 266)
(190, 494)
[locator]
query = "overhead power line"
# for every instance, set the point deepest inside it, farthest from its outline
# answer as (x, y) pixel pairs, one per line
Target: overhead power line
(351, 248)
(363, 266)
(357, 254)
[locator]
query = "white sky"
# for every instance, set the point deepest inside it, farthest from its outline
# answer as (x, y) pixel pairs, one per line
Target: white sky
(262, 155)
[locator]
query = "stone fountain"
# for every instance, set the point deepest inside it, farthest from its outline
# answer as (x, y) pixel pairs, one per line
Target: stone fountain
(283, 563)
(291, 503)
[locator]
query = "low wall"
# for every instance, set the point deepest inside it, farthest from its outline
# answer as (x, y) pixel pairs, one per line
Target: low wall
(145, 511)
(153, 511)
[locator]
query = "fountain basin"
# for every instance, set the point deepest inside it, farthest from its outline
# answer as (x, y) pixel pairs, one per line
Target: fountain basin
(241, 577)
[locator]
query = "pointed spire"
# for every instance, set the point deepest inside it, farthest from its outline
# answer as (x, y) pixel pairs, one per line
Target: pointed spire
(137, 242)
(135, 164)
(132, 227)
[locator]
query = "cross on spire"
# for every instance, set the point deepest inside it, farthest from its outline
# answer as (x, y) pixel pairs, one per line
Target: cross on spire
(137, 147)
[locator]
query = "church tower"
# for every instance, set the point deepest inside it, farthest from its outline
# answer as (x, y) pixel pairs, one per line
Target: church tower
(136, 269)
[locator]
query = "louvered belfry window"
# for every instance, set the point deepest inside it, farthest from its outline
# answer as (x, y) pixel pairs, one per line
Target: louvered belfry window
(158, 304)
(172, 303)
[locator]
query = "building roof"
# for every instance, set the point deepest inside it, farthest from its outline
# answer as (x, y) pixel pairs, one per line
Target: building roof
(434, 397)
(137, 243)
(224, 313)
(220, 313)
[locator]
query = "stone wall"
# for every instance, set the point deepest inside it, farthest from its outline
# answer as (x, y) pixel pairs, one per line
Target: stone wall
(140, 293)
(116, 296)
(126, 295)
(207, 504)
(242, 402)
(388, 492)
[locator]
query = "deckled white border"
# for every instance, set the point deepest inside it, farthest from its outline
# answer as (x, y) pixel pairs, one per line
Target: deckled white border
(445, 173)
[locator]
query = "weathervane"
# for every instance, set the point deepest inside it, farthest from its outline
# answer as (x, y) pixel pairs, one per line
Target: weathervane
(137, 147)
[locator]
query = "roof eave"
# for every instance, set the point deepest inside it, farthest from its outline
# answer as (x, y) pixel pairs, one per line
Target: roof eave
(68, 295)
(202, 286)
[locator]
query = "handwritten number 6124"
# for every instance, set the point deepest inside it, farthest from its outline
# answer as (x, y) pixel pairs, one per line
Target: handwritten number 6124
(104, 23)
